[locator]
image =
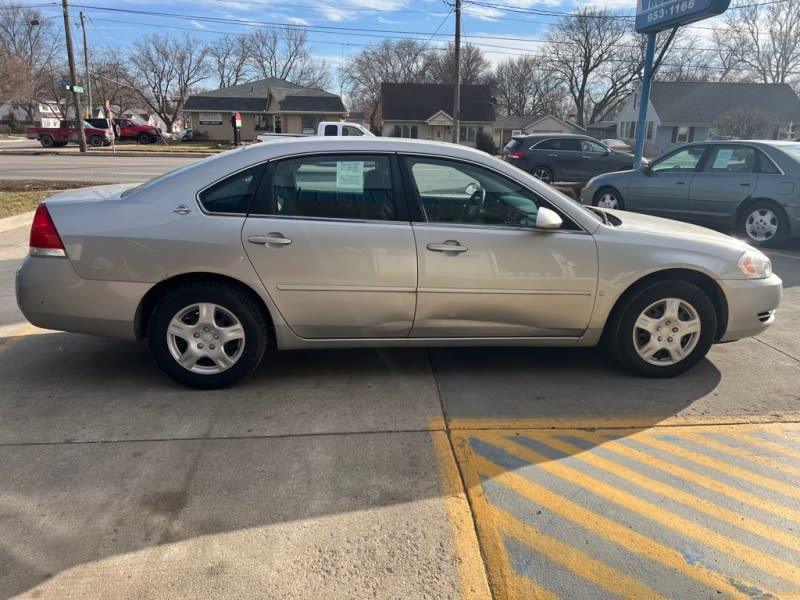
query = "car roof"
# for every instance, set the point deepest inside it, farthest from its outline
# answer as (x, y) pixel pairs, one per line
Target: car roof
(551, 135)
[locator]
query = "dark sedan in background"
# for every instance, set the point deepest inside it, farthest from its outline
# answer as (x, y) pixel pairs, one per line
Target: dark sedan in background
(564, 157)
(749, 187)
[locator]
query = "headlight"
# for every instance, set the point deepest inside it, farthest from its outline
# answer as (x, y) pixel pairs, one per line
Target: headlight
(755, 265)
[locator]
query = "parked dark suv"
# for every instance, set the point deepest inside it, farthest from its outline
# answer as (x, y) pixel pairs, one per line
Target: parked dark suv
(564, 157)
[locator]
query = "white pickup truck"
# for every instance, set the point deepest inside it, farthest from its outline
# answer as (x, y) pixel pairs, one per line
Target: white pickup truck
(329, 128)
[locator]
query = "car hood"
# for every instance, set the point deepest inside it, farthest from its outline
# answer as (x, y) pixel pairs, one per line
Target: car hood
(675, 230)
(97, 192)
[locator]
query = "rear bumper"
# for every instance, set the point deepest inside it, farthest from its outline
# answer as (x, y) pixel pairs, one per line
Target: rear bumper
(52, 295)
(752, 305)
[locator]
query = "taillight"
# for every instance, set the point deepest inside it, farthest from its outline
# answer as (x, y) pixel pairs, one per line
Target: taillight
(45, 240)
(514, 154)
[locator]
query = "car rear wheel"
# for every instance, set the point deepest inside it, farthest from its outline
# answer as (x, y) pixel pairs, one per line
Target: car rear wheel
(543, 173)
(764, 224)
(47, 141)
(206, 335)
(608, 198)
(663, 329)
(96, 141)
(144, 138)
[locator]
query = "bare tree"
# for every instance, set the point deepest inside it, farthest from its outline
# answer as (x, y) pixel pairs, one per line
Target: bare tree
(28, 41)
(745, 124)
(524, 87)
(473, 66)
(403, 61)
(230, 57)
(166, 70)
(282, 53)
(686, 60)
(593, 54)
(764, 39)
(111, 79)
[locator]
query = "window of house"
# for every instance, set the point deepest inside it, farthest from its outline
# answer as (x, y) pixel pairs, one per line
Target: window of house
(333, 187)
(405, 131)
(263, 122)
(310, 124)
(468, 133)
(649, 132)
(681, 134)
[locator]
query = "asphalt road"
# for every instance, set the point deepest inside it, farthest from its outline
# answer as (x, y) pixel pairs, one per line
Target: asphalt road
(346, 474)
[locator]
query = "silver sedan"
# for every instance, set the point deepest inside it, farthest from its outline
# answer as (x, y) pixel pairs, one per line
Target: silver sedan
(343, 242)
(749, 187)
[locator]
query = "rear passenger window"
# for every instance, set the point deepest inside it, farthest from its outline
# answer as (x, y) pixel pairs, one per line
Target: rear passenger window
(334, 187)
(234, 194)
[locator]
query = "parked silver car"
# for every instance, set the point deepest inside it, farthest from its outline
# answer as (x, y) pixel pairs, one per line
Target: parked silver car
(749, 187)
(342, 242)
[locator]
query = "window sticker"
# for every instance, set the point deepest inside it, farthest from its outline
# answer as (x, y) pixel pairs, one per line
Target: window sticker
(723, 158)
(350, 175)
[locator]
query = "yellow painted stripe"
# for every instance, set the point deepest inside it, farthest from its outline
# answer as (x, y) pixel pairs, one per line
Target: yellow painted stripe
(746, 475)
(627, 538)
(739, 453)
(737, 519)
(17, 337)
(687, 528)
(472, 577)
(710, 483)
(582, 564)
(498, 569)
(614, 423)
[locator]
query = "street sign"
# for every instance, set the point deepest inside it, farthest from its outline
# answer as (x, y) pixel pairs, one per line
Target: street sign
(656, 15)
(77, 88)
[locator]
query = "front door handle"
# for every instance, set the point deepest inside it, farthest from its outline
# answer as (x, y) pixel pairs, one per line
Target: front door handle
(448, 246)
(271, 239)
(745, 184)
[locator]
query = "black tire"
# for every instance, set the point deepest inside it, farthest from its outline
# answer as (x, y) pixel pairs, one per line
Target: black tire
(608, 197)
(211, 362)
(763, 223)
(144, 138)
(543, 173)
(47, 141)
(96, 141)
(678, 325)
(59, 144)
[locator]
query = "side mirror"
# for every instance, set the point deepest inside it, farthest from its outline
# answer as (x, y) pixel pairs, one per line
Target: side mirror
(547, 219)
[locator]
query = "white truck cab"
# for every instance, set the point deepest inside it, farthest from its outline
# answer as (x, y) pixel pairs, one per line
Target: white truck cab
(326, 128)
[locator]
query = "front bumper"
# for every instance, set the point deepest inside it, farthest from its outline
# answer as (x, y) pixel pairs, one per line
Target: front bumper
(752, 305)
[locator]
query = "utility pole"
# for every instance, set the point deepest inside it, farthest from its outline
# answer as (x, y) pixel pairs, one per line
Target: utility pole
(86, 66)
(457, 74)
(76, 101)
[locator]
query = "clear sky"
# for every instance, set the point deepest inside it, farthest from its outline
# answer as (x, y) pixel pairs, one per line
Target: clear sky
(337, 29)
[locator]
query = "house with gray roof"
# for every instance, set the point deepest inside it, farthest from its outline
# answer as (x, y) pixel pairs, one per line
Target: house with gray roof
(424, 111)
(266, 106)
(687, 111)
(507, 127)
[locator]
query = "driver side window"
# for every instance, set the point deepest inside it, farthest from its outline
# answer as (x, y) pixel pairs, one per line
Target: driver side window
(455, 192)
(683, 160)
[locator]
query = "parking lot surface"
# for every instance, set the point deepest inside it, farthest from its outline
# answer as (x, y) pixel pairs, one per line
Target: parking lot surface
(470, 473)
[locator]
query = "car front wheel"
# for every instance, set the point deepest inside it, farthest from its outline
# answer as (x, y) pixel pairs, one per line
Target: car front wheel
(608, 198)
(764, 224)
(664, 329)
(96, 141)
(206, 335)
(47, 141)
(144, 138)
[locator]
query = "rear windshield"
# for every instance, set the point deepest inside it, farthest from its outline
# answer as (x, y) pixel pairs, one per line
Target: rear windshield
(513, 144)
(792, 150)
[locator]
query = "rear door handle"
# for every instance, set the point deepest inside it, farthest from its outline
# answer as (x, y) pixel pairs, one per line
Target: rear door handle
(448, 246)
(271, 239)
(745, 184)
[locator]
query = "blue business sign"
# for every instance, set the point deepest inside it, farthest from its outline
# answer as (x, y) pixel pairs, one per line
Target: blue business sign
(657, 15)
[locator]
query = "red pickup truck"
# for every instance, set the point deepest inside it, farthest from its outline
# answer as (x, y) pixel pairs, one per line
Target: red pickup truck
(55, 137)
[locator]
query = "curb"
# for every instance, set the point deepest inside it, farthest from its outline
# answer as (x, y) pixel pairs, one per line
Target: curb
(15, 222)
(23, 152)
